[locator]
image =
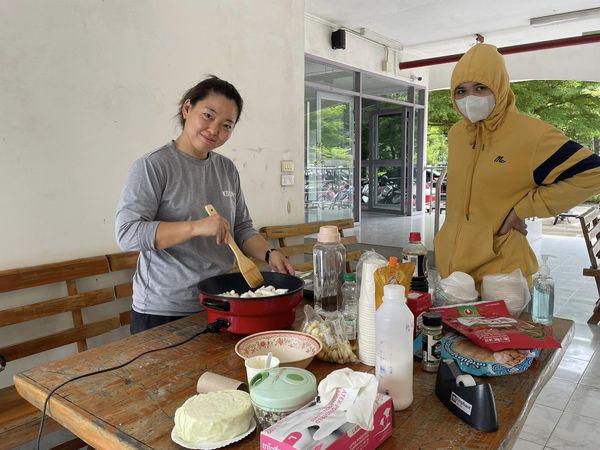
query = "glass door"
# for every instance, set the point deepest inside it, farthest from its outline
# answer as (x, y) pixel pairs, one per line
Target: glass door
(329, 176)
(384, 160)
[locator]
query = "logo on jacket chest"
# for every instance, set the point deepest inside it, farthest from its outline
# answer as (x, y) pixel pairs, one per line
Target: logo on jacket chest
(500, 159)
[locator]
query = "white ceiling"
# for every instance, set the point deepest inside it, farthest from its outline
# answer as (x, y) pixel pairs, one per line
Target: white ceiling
(429, 28)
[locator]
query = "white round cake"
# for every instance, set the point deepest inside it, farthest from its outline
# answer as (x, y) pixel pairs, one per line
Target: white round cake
(214, 417)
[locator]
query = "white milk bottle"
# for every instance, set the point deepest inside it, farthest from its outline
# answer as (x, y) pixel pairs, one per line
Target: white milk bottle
(394, 360)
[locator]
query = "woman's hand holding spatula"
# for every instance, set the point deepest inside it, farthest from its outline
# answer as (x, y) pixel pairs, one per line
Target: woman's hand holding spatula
(248, 269)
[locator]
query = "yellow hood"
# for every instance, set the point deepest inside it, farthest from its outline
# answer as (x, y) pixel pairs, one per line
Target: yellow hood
(483, 64)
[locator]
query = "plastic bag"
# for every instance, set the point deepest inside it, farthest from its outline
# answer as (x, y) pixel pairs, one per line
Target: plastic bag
(331, 332)
(510, 287)
(489, 325)
(482, 362)
(458, 287)
(392, 274)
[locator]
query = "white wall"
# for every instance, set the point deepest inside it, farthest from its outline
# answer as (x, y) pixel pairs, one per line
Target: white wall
(360, 53)
(565, 63)
(88, 86)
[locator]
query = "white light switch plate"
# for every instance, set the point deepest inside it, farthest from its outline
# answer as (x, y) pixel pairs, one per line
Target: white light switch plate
(287, 179)
(287, 166)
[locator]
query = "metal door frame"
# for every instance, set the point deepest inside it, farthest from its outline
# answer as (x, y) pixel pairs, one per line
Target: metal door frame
(404, 162)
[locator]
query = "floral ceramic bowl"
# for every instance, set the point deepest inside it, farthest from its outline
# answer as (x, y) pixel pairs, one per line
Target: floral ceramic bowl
(292, 348)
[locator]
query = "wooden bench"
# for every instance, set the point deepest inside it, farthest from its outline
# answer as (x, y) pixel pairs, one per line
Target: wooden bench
(19, 420)
(282, 233)
(590, 226)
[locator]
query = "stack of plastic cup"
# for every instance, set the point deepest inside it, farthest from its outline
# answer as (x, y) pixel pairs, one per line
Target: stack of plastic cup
(366, 313)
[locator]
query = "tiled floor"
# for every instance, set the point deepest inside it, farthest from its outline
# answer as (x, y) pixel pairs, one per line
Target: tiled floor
(566, 414)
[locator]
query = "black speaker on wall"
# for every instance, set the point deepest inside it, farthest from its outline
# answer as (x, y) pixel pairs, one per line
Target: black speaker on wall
(338, 39)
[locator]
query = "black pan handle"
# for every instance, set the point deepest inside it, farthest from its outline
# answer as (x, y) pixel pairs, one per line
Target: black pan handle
(216, 304)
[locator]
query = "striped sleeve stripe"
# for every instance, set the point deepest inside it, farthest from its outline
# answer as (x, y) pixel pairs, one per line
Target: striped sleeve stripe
(591, 162)
(567, 150)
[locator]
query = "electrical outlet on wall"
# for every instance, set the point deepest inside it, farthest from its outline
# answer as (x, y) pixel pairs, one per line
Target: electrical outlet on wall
(287, 179)
(287, 166)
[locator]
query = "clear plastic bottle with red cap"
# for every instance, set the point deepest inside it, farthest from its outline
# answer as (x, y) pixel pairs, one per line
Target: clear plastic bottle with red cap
(416, 253)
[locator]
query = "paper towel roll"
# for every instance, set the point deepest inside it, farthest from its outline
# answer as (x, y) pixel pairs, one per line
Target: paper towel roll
(212, 382)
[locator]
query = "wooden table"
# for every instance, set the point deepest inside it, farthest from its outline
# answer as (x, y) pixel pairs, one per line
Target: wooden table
(134, 407)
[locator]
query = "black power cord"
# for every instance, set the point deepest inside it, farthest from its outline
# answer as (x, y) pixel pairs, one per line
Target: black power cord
(213, 327)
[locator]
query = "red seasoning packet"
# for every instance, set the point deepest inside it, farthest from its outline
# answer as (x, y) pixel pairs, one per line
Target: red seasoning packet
(490, 325)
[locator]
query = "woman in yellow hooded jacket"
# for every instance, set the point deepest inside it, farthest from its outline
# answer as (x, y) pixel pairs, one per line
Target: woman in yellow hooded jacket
(503, 167)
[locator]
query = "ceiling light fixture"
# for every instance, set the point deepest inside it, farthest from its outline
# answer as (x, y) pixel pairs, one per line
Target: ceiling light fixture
(564, 17)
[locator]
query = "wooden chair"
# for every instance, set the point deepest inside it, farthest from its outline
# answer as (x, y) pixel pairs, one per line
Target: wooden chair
(282, 232)
(590, 226)
(19, 419)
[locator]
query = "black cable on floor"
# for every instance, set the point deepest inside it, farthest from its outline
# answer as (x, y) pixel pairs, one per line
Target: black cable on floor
(213, 327)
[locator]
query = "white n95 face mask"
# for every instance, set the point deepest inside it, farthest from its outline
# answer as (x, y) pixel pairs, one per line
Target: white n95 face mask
(476, 108)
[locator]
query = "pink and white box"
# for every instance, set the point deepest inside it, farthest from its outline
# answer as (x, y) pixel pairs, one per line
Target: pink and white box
(348, 436)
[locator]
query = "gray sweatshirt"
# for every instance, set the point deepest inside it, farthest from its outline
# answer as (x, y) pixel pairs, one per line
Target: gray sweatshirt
(169, 185)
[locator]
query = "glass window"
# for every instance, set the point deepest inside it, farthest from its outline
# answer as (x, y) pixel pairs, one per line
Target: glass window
(330, 75)
(364, 185)
(390, 128)
(365, 147)
(384, 88)
(389, 182)
(418, 121)
(384, 148)
(329, 173)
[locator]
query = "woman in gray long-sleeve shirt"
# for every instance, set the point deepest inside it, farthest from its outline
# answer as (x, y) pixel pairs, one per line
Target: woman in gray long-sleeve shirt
(161, 211)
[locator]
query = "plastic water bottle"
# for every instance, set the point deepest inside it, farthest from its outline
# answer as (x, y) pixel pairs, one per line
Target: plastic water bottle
(349, 306)
(416, 253)
(542, 309)
(329, 266)
(394, 361)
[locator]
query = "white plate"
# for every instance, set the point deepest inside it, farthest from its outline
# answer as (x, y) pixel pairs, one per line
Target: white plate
(211, 445)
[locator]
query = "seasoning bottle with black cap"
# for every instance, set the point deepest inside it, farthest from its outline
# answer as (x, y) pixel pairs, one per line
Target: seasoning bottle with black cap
(432, 341)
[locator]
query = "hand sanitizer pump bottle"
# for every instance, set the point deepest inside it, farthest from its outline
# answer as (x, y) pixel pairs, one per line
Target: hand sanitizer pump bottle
(543, 294)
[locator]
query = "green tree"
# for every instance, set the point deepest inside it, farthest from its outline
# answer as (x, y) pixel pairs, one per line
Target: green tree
(571, 106)
(336, 134)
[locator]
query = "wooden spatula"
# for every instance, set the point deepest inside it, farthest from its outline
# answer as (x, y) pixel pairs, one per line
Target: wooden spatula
(248, 269)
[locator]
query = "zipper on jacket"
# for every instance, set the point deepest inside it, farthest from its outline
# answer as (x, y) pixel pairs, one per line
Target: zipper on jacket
(469, 184)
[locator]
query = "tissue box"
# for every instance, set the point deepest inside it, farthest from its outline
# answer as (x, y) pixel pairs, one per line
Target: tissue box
(347, 436)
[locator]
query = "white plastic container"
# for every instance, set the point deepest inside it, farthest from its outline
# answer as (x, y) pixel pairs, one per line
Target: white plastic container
(329, 265)
(394, 360)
